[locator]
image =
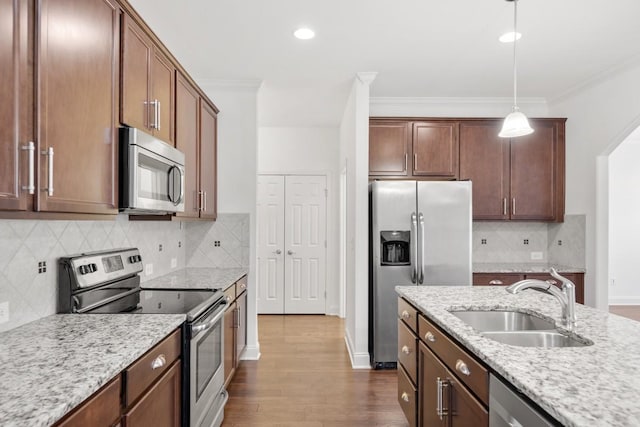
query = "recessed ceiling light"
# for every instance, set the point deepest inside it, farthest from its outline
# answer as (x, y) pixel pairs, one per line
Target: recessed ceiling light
(304, 33)
(509, 37)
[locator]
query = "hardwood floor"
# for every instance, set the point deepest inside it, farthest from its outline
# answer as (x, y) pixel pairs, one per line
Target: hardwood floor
(630, 311)
(304, 378)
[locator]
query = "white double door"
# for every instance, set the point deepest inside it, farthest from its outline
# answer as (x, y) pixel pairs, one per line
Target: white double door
(291, 230)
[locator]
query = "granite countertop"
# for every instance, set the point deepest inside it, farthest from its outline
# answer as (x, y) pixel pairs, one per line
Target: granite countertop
(596, 385)
(523, 267)
(53, 364)
(197, 278)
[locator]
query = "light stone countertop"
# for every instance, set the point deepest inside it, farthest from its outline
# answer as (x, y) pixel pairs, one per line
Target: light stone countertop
(522, 267)
(50, 366)
(596, 385)
(197, 278)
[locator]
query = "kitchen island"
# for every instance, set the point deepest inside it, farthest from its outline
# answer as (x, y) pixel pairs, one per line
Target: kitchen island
(53, 364)
(595, 385)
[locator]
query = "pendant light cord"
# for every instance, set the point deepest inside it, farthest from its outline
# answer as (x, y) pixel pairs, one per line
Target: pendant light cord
(515, 40)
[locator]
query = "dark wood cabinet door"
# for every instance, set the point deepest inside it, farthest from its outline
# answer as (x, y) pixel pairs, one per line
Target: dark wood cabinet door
(162, 105)
(464, 409)
(389, 145)
(435, 149)
(430, 371)
(16, 106)
(160, 406)
(534, 173)
(484, 159)
(229, 343)
(137, 51)
(187, 125)
(100, 410)
(78, 72)
(496, 279)
(241, 342)
(208, 160)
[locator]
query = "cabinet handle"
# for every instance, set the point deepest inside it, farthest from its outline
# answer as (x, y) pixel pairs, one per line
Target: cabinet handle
(406, 162)
(430, 337)
(504, 206)
(462, 368)
(243, 286)
(405, 315)
(496, 282)
(156, 115)
(513, 206)
(439, 410)
(201, 201)
(405, 396)
(205, 201)
(415, 162)
(31, 148)
(406, 350)
(158, 105)
(228, 298)
(158, 362)
(239, 317)
(49, 153)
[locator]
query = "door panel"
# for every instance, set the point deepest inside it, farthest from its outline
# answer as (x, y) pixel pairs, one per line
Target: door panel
(136, 66)
(305, 233)
(208, 161)
(270, 238)
(163, 84)
(187, 124)
(388, 148)
(435, 149)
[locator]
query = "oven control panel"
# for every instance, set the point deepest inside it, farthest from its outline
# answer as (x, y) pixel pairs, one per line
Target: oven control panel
(91, 269)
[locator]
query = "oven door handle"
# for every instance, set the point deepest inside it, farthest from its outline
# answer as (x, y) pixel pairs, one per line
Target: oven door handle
(217, 315)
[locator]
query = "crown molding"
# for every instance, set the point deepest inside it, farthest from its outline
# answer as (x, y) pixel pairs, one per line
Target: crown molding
(366, 77)
(246, 84)
(385, 100)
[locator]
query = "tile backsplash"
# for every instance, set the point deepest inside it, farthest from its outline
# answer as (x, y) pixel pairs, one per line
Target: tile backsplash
(506, 242)
(26, 244)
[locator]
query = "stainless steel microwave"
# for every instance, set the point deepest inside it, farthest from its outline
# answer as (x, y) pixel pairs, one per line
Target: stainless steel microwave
(151, 174)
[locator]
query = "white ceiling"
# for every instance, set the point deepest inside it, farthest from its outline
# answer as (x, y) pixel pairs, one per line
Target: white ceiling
(427, 48)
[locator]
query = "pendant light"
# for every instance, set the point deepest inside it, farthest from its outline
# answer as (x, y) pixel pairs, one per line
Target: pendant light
(516, 123)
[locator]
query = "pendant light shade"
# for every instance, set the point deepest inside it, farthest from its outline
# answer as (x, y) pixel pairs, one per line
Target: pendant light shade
(516, 123)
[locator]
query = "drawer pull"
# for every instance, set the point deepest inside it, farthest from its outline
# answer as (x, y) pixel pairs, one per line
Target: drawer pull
(158, 362)
(228, 298)
(243, 286)
(406, 350)
(405, 396)
(496, 282)
(405, 315)
(430, 337)
(462, 368)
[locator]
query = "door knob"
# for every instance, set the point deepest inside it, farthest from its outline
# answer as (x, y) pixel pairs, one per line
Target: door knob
(278, 251)
(290, 252)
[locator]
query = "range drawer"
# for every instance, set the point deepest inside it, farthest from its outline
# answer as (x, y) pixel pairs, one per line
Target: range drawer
(499, 279)
(407, 350)
(408, 314)
(151, 366)
(466, 368)
(407, 397)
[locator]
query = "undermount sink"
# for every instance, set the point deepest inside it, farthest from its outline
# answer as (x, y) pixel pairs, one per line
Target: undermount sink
(519, 329)
(536, 339)
(503, 321)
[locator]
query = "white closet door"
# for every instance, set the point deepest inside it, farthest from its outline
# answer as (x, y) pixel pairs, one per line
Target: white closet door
(270, 244)
(305, 244)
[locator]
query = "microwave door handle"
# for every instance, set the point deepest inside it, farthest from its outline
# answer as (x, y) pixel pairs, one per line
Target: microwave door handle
(171, 185)
(180, 186)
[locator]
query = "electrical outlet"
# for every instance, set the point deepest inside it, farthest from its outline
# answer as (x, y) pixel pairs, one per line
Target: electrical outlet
(174, 262)
(4, 312)
(148, 269)
(536, 255)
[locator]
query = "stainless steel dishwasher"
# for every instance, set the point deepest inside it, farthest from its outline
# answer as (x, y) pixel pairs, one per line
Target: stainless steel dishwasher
(508, 409)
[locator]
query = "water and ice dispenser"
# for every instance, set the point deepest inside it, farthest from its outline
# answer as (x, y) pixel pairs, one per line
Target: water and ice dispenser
(395, 248)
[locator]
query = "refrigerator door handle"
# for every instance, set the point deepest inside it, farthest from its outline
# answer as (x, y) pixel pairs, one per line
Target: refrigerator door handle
(421, 228)
(414, 251)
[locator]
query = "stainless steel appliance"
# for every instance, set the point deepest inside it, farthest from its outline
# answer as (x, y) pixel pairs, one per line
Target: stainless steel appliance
(109, 282)
(508, 409)
(151, 174)
(420, 234)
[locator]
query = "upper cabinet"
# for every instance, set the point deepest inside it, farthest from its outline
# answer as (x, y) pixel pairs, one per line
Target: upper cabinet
(16, 120)
(77, 108)
(196, 130)
(413, 149)
(514, 179)
(148, 83)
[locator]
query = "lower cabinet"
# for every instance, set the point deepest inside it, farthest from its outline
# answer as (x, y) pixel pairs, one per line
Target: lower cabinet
(506, 279)
(147, 393)
(229, 343)
(235, 327)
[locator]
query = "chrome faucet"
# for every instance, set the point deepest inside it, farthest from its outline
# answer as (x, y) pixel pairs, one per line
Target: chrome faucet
(566, 295)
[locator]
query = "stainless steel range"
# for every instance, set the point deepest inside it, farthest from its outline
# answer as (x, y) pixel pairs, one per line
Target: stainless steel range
(109, 282)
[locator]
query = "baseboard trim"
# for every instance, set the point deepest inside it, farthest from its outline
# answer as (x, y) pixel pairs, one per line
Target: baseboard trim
(251, 353)
(358, 360)
(624, 300)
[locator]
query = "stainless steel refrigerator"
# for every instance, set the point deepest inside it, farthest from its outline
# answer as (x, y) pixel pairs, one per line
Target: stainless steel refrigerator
(420, 235)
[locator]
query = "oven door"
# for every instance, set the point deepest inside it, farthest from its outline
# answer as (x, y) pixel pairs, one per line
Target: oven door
(207, 395)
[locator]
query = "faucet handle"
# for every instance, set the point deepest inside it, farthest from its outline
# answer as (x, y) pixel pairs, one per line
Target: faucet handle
(566, 283)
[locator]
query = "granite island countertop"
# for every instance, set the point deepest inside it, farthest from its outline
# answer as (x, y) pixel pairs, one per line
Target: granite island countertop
(197, 278)
(596, 385)
(523, 267)
(53, 364)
